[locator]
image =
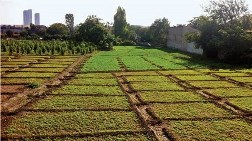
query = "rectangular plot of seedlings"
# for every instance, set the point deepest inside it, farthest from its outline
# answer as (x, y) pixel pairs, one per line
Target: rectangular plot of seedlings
(164, 63)
(170, 96)
(42, 69)
(48, 66)
(95, 75)
(189, 110)
(196, 77)
(213, 84)
(23, 80)
(150, 86)
(217, 70)
(56, 62)
(11, 88)
(231, 74)
(230, 92)
(147, 73)
(82, 102)
(147, 78)
(181, 72)
(246, 70)
(10, 66)
(93, 81)
(4, 69)
(30, 74)
(104, 90)
(213, 130)
(137, 63)
(244, 103)
(242, 79)
(37, 123)
(14, 63)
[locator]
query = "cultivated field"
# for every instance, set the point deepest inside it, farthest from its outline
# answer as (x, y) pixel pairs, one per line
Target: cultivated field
(130, 93)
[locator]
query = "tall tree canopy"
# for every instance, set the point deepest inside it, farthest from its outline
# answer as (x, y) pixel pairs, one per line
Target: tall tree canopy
(57, 29)
(70, 23)
(120, 23)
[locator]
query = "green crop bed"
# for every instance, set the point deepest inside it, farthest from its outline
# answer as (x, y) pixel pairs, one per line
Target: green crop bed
(196, 77)
(10, 66)
(246, 70)
(212, 84)
(14, 63)
(4, 69)
(95, 75)
(229, 92)
(105, 90)
(188, 110)
(14, 81)
(101, 63)
(147, 73)
(245, 103)
(48, 65)
(82, 102)
(42, 69)
(212, 130)
(56, 62)
(72, 122)
(93, 81)
(137, 63)
(242, 79)
(164, 63)
(30, 74)
(150, 86)
(147, 78)
(181, 72)
(170, 96)
(216, 70)
(231, 74)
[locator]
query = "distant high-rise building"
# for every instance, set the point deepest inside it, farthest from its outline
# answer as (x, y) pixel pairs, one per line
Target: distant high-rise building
(37, 19)
(27, 17)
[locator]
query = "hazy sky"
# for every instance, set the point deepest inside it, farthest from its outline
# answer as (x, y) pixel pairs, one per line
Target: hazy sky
(138, 12)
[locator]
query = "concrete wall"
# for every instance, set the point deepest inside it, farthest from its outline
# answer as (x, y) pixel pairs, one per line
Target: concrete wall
(177, 40)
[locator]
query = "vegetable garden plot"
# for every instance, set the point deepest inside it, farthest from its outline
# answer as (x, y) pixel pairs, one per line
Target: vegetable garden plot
(101, 63)
(170, 96)
(242, 79)
(188, 110)
(213, 84)
(216, 70)
(48, 66)
(144, 73)
(181, 72)
(137, 63)
(230, 92)
(13, 81)
(164, 63)
(93, 81)
(41, 69)
(147, 78)
(95, 75)
(244, 103)
(245, 70)
(10, 66)
(82, 102)
(231, 74)
(150, 86)
(14, 63)
(29, 74)
(43, 123)
(223, 129)
(196, 77)
(56, 62)
(4, 69)
(89, 90)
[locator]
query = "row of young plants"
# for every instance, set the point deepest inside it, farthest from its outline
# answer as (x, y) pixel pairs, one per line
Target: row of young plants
(39, 47)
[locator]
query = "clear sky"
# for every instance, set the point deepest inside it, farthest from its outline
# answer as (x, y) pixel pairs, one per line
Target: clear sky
(138, 12)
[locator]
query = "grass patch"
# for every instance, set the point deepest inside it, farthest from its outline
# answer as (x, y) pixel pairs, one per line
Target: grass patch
(170, 96)
(226, 130)
(22, 80)
(245, 103)
(196, 77)
(72, 122)
(137, 63)
(80, 102)
(155, 86)
(95, 75)
(242, 79)
(30, 74)
(42, 69)
(228, 92)
(147, 78)
(212, 84)
(188, 110)
(106, 90)
(231, 74)
(181, 72)
(93, 81)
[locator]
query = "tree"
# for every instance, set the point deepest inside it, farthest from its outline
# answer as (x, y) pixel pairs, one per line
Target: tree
(120, 23)
(57, 30)
(9, 33)
(70, 23)
(159, 32)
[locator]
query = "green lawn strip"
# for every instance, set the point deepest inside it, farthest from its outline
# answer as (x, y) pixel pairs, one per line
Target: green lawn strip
(232, 74)
(147, 78)
(93, 81)
(216, 70)
(188, 110)
(48, 65)
(242, 79)
(95, 75)
(101, 63)
(137, 63)
(164, 63)
(212, 84)
(145, 73)
(212, 130)
(42, 69)
(181, 72)
(105, 90)
(37, 123)
(82, 102)
(244, 103)
(155, 86)
(170, 96)
(22, 80)
(196, 77)
(30, 74)
(229, 92)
